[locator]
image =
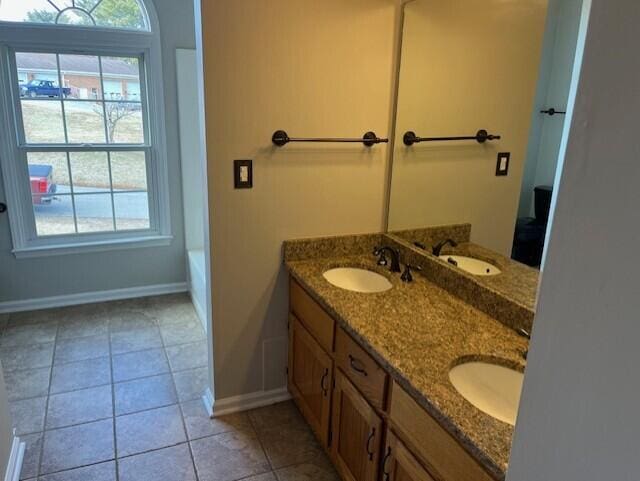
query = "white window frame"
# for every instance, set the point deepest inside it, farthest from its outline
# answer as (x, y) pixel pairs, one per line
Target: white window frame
(92, 41)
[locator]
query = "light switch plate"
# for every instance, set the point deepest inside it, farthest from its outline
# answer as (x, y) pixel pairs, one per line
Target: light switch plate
(242, 174)
(502, 165)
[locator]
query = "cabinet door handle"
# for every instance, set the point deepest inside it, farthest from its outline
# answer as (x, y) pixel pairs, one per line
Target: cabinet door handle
(385, 473)
(357, 366)
(369, 439)
(322, 380)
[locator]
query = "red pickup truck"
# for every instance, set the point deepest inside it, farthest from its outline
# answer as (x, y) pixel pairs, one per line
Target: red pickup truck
(42, 187)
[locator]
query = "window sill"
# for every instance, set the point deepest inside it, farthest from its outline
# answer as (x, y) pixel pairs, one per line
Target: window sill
(95, 246)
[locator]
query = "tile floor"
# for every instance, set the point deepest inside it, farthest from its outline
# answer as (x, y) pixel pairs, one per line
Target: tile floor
(112, 392)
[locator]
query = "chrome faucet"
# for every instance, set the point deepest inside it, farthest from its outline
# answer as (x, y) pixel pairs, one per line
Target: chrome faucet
(382, 260)
(438, 247)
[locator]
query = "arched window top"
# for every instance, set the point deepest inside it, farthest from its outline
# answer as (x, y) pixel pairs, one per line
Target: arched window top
(127, 14)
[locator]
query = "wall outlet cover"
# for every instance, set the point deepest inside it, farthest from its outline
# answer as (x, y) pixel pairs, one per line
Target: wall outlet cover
(242, 174)
(502, 165)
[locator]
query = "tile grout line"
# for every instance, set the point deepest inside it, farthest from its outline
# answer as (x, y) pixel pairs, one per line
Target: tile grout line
(106, 384)
(113, 403)
(46, 404)
(175, 387)
(264, 451)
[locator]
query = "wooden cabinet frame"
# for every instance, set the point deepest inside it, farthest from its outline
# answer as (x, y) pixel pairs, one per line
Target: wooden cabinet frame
(367, 406)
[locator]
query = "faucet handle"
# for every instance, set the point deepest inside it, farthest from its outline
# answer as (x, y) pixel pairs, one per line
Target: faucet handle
(382, 260)
(406, 275)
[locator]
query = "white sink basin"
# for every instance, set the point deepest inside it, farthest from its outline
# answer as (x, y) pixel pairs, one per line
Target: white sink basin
(472, 266)
(491, 388)
(357, 280)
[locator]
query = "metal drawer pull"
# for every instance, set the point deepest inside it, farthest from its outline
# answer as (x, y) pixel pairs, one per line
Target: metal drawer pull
(385, 473)
(322, 386)
(371, 436)
(357, 366)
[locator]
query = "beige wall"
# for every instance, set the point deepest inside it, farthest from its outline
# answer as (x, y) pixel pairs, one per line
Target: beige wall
(466, 65)
(314, 69)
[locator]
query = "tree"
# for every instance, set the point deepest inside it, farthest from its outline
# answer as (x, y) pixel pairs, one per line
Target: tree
(107, 13)
(114, 112)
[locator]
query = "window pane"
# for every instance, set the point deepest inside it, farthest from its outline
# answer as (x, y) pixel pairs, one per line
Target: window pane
(38, 75)
(49, 179)
(132, 210)
(85, 122)
(37, 11)
(121, 78)
(90, 172)
(129, 170)
(108, 13)
(81, 75)
(124, 122)
(48, 175)
(54, 217)
(94, 212)
(120, 14)
(75, 16)
(42, 122)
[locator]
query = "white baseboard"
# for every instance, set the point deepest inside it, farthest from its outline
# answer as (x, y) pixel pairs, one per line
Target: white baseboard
(14, 465)
(244, 402)
(90, 297)
(208, 401)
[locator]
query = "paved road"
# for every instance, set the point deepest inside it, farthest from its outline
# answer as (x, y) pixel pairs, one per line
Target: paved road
(96, 205)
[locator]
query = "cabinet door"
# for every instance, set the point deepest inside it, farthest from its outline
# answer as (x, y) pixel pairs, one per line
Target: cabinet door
(399, 464)
(356, 433)
(310, 378)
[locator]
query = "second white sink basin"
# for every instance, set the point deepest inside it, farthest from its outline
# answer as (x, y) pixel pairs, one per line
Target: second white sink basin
(493, 389)
(357, 280)
(471, 265)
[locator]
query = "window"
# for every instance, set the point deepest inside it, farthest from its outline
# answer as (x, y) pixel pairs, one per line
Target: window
(127, 14)
(82, 155)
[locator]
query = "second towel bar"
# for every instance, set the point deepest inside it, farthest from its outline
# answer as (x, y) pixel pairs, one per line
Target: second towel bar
(481, 137)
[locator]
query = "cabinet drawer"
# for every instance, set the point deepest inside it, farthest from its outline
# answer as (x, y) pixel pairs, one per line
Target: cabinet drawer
(313, 317)
(361, 369)
(431, 443)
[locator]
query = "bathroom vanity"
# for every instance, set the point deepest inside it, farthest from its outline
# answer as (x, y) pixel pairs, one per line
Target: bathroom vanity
(370, 370)
(407, 349)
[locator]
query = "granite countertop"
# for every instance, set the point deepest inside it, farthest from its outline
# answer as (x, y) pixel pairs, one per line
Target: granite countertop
(517, 282)
(418, 331)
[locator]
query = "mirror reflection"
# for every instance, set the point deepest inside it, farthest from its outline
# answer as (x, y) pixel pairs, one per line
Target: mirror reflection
(480, 117)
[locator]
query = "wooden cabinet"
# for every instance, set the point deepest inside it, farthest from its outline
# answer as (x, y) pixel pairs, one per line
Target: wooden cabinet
(310, 378)
(435, 447)
(351, 404)
(399, 464)
(356, 433)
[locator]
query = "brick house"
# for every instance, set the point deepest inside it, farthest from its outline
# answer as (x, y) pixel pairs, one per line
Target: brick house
(82, 74)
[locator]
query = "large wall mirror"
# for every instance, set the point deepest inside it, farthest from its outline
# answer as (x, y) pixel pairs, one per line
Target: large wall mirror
(498, 74)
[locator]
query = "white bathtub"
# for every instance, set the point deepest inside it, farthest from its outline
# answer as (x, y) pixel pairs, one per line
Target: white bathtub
(197, 283)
